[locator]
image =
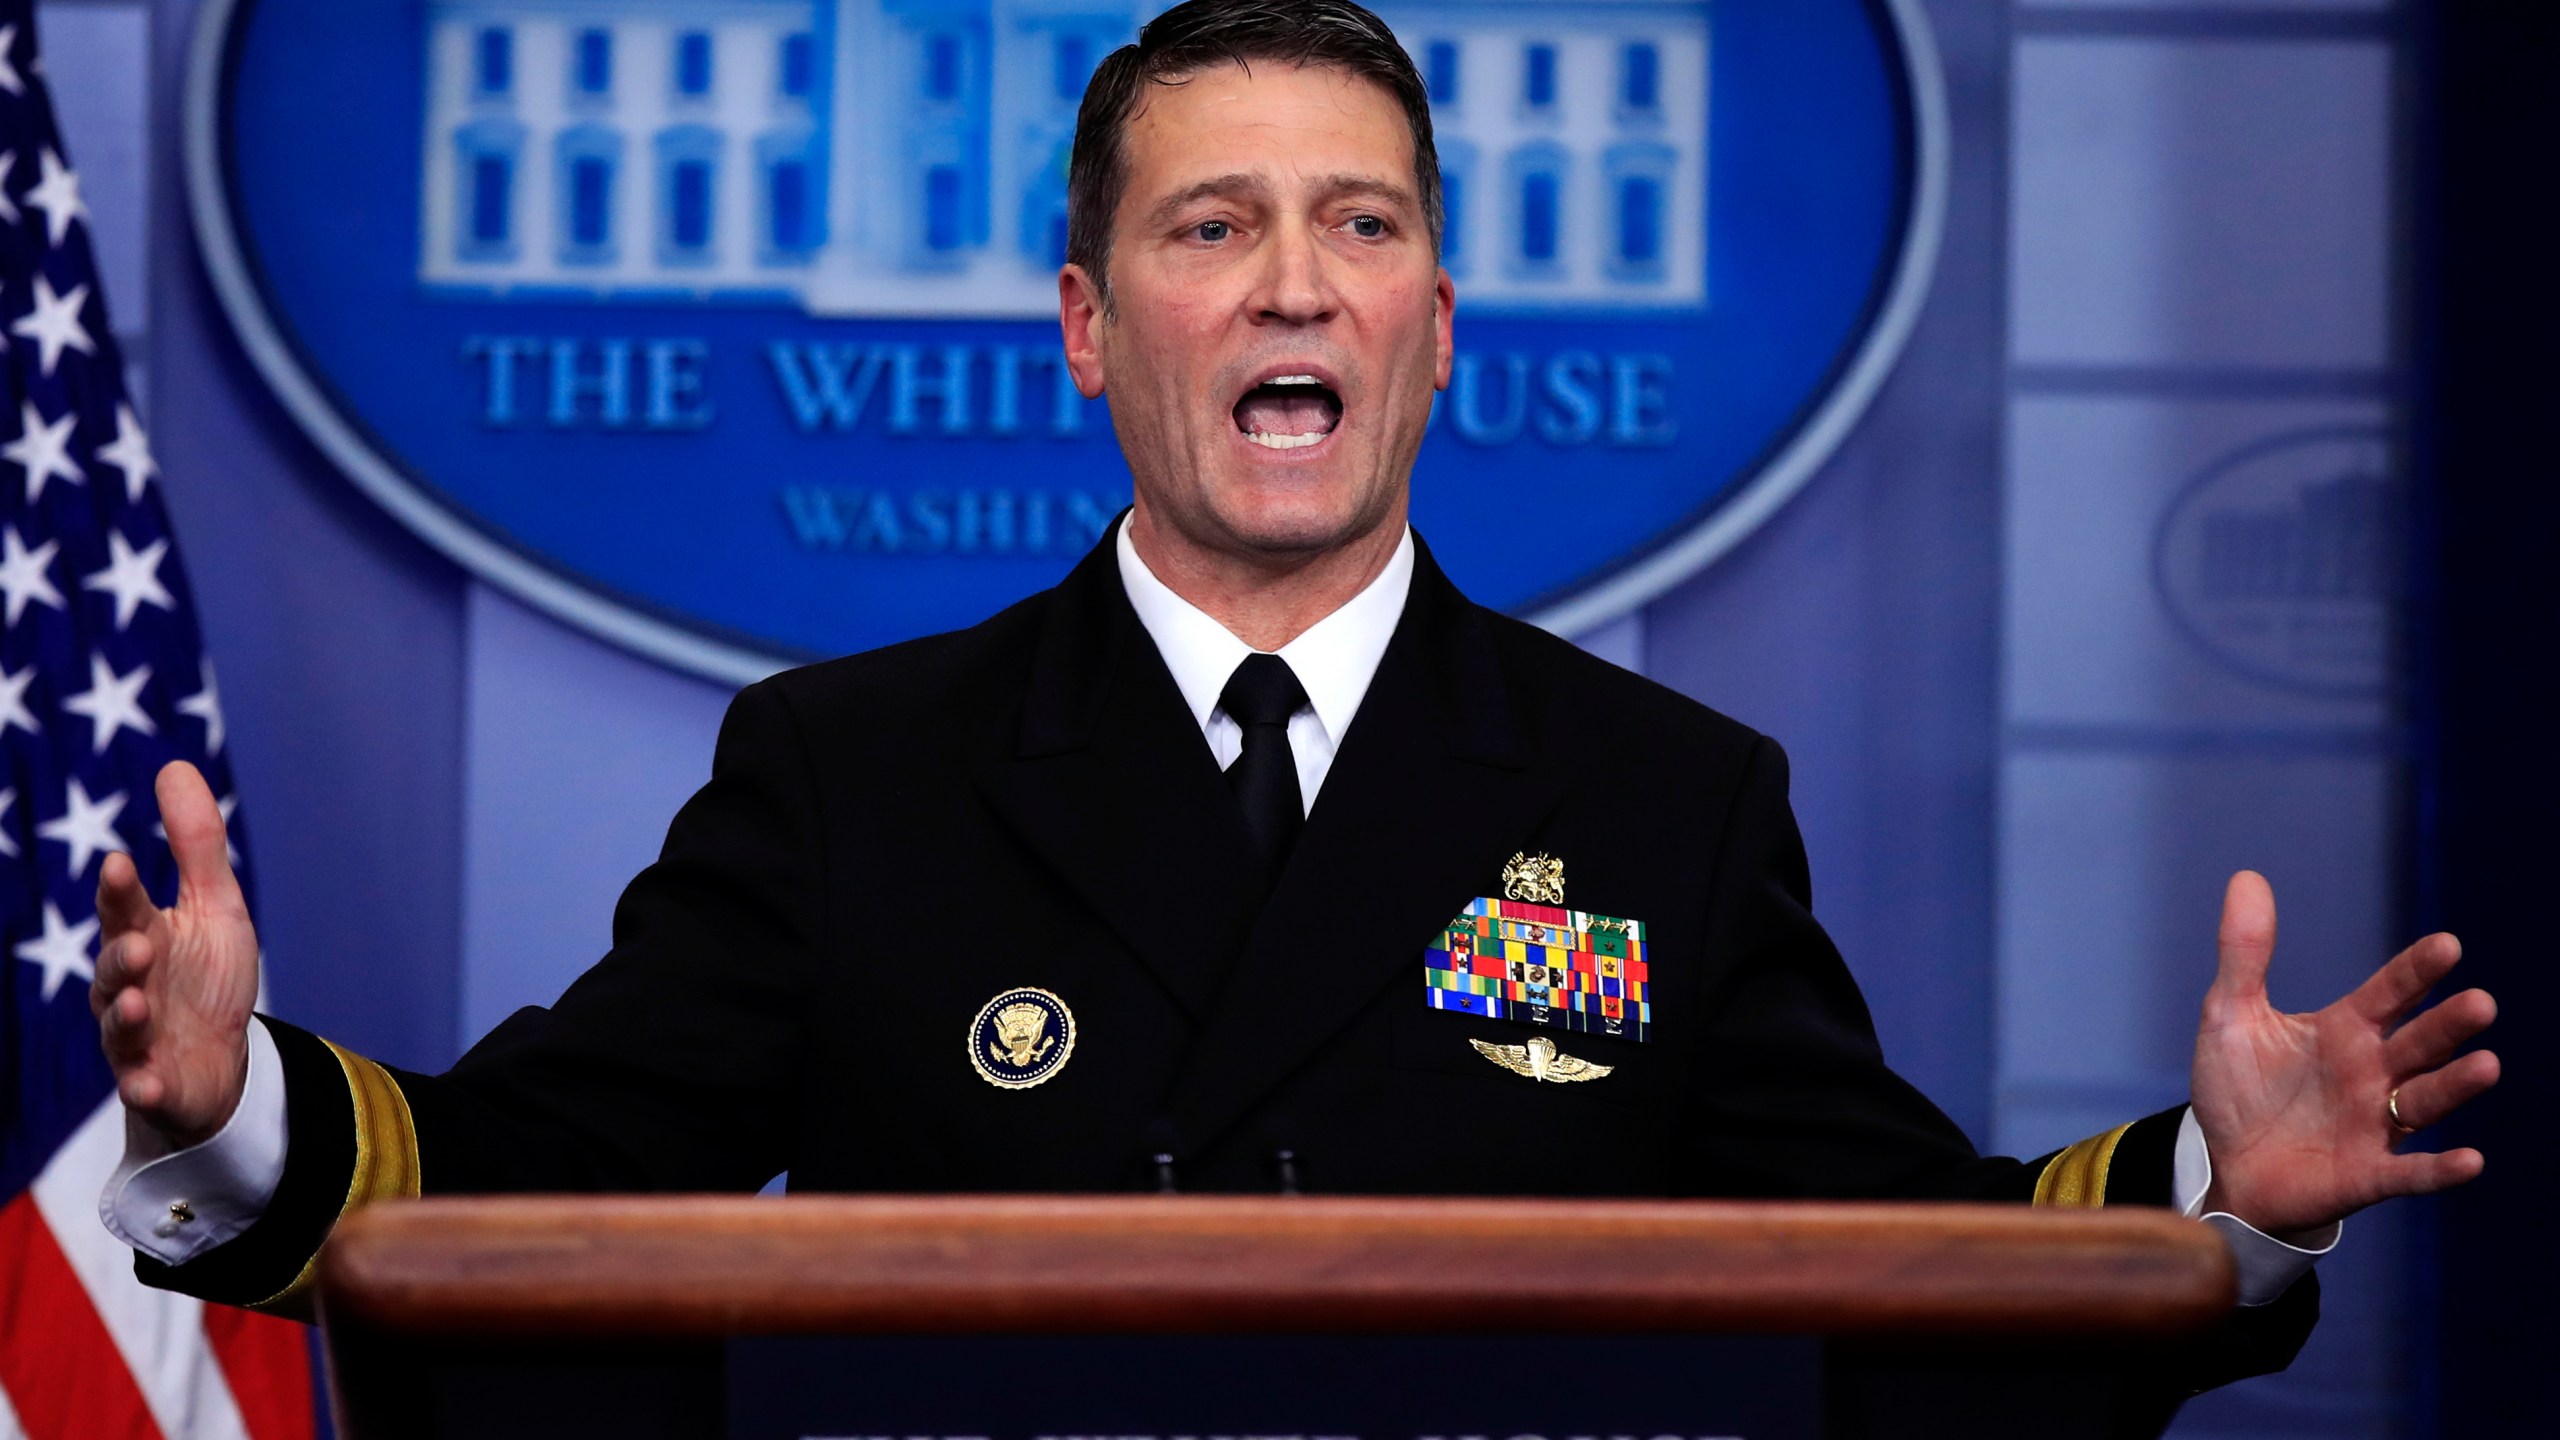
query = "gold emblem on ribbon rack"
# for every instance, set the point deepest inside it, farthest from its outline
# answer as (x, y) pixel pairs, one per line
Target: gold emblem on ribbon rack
(1540, 1060)
(1538, 879)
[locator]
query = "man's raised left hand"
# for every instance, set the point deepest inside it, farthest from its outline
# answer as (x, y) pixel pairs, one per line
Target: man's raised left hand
(2297, 1109)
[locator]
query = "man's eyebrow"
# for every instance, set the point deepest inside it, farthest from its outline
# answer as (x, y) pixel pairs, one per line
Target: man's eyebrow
(1237, 183)
(1337, 186)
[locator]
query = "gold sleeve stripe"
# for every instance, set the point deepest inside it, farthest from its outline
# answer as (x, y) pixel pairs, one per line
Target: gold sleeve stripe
(386, 1138)
(386, 1161)
(2077, 1178)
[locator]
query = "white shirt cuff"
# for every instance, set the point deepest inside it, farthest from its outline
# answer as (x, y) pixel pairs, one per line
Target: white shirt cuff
(174, 1205)
(2268, 1266)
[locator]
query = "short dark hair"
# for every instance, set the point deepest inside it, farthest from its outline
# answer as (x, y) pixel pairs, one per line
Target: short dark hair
(1201, 35)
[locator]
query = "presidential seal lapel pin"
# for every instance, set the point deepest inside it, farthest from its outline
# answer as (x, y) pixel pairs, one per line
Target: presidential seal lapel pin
(1540, 1060)
(1021, 1038)
(1525, 957)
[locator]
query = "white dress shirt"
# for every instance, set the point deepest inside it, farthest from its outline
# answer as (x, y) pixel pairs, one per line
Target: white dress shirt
(1334, 659)
(224, 1184)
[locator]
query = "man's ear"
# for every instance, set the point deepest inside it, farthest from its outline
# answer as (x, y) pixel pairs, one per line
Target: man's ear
(1081, 319)
(1444, 307)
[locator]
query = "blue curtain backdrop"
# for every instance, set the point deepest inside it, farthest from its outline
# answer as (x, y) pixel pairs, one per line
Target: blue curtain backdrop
(2485, 844)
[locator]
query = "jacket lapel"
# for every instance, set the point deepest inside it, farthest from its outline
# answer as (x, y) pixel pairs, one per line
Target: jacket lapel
(1113, 785)
(1429, 793)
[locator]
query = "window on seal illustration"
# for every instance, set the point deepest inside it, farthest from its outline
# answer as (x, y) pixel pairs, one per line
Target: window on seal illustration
(793, 207)
(493, 60)
(693, 63)
(688, 174)
(1538, 77)
(787, 182)
(1640, 223)
(1639, 80)
(1440, 71)
(1073, 65)
(799, 65)
(1044, 227)
(492, 180)
(942, 67)
(942, 219)
(1639, 211)
(1043, 237)
(589, 158)
(592, 66)
(485, 155)
(689, 223)
(1538, 216)
(1537, 212)
(1457, 198)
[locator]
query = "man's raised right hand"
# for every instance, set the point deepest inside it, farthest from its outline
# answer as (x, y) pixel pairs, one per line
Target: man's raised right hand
(175, 987)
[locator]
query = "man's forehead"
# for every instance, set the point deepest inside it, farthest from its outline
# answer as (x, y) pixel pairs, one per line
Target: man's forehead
(1191, 130)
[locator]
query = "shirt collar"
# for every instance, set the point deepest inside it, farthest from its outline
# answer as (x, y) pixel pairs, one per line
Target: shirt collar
(1335, 658)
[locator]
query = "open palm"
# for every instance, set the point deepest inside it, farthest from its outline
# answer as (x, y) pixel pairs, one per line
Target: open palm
(175, 987)
(2297, 1109)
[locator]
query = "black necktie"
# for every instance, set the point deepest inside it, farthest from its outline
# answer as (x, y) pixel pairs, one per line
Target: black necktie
(1260, 697)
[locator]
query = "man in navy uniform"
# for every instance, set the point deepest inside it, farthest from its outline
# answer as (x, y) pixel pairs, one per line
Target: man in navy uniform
(1213, 863)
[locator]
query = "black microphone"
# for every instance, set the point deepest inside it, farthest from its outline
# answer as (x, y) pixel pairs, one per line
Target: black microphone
(1280, 1132)
(1164, 1143)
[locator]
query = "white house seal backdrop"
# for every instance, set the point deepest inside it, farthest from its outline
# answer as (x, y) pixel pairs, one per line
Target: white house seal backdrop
(727, 328)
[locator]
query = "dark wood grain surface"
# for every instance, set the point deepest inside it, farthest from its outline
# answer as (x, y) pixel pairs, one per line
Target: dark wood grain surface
(626, 1266)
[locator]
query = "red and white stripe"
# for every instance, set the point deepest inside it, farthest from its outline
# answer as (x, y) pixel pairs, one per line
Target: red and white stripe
(89, 1353)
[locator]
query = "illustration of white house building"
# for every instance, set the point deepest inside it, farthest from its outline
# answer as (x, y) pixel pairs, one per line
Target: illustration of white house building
(908, 157)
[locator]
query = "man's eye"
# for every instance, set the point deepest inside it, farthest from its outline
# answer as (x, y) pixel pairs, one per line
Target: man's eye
(1368, 227)
(1212, 231)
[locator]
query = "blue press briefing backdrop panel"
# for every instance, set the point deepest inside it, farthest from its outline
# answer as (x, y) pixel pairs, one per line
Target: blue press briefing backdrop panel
(2088, 608)
(727, 328)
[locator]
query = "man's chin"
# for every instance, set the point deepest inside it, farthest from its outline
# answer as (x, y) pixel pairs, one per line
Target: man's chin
(1291, 534)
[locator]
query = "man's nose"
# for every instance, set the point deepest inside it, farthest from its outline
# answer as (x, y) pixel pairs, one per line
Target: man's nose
(1296, 283)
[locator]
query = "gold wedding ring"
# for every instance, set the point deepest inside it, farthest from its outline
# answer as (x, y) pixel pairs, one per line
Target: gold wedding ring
(2393, 1105)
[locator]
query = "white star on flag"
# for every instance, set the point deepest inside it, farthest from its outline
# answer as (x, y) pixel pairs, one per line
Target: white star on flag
(9, 80)
(63, 950)
(22, 576)
(57, 194)
(132, 576)
(206, 705)
(8, 163)
(13, 702)
(130, 451)
(87, 826)
(43, 450)
(8, 842)
(54, 324)
(112, 702)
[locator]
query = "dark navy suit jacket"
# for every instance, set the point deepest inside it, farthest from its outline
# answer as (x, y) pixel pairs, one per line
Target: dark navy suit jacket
(891, 839)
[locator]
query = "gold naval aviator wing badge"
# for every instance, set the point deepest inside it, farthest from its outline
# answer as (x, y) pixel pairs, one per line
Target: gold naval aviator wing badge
(1021, 1038)
(1540, 1060)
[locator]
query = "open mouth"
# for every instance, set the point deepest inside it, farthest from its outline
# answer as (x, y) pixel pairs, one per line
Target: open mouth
(1287, 412)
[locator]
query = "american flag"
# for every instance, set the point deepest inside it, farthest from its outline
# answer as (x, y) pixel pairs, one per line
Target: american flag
(103, 679)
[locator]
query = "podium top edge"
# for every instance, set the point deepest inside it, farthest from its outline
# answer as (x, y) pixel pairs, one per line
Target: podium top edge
(707, 1266)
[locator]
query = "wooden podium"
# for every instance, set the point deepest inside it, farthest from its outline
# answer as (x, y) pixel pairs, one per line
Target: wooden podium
(626, 1316)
